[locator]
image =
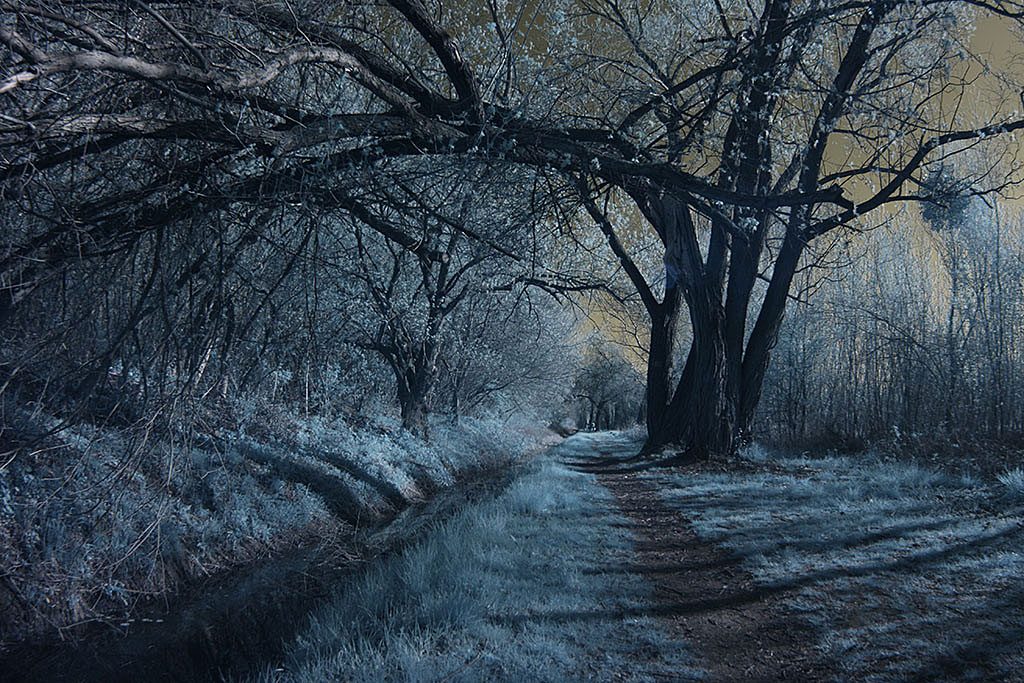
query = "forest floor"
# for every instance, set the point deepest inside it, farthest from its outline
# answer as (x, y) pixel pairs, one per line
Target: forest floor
(767, 567)
(536, 584)
(705, 595)
(781, 567)
(581, 565)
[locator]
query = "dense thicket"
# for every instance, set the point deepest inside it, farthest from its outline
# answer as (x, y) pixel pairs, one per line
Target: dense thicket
(916, 340)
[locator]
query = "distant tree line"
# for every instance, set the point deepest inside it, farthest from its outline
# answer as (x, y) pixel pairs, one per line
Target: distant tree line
(916, 339)
(608, 391)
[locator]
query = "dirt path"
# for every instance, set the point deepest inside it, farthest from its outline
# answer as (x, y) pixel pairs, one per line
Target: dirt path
(703, 595)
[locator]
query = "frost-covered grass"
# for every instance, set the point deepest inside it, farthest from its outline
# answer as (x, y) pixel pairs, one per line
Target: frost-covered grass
(383, 464)
(906, 573)
(525, 587)
(90, 521)
(1013, 483)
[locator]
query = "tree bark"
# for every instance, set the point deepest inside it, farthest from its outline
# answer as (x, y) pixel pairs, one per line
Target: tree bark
(664, 321)
(699, 416)
(413, 387)
(766, 331)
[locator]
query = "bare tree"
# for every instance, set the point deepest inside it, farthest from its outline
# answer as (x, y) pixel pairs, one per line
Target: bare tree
(608, 390)
(789, 122)
(413, 294)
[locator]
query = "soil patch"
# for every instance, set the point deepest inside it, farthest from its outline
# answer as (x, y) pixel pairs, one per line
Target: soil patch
(740, 632)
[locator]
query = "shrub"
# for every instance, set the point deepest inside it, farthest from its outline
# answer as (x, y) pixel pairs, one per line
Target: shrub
(1013, 481)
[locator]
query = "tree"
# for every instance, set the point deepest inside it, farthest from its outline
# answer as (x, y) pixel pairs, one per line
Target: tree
(608, 390)
(790, 121)
(413, 295)
(508, 351)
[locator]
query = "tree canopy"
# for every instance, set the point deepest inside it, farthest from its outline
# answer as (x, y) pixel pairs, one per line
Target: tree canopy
(745, 135)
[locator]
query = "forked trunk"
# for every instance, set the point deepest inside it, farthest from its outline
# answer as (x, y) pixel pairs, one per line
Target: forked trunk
(701, 417)
(711, 411)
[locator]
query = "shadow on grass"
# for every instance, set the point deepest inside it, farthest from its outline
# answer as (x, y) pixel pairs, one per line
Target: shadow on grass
(624, 457)
(910, 563)
(800, 535)
(612, 463)
(985, 652)
(819, 545)
(237, 623)
(339, 498)
(384, 488)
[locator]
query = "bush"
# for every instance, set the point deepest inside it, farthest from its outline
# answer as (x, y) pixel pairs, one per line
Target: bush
(1013, 480)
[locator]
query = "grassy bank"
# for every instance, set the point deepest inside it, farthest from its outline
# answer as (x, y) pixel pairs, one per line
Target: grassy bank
(94, 522)
(529, 586)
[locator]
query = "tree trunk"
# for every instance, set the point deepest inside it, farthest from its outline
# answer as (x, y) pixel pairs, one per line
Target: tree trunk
(699, 416)
(766, 332)
(705, 412)
(413, 387)
(711, 411)
(659, 360)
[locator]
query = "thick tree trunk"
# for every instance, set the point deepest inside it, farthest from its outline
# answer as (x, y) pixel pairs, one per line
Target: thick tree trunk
(702, 412)
(711, 411)
(667, 431)
(664, 322)
(701, 420)
(701, 417)
(414, 418)
(413, 387)
(742, 273)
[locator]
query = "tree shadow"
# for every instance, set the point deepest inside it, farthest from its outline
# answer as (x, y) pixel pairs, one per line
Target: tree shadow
(807, 536)
(384, 488)
(610, 464)
(987, 651)
(337, 496)
(762, 591)
(236, 624)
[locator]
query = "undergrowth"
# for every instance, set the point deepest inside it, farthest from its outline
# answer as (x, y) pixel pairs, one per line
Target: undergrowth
(1013, 482)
